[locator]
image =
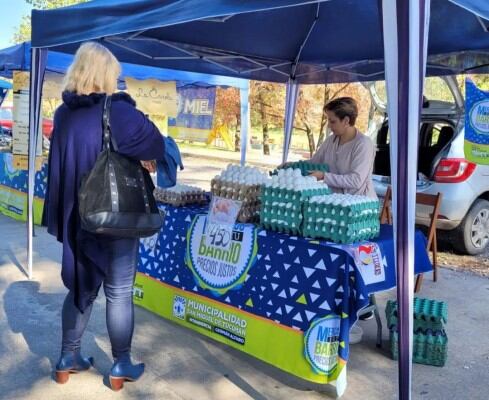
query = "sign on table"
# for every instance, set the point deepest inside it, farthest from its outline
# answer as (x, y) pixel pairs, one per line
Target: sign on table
(220, 222)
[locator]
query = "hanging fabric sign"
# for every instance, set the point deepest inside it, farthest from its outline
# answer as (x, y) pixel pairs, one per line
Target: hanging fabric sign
(153, 96)
(476, 144)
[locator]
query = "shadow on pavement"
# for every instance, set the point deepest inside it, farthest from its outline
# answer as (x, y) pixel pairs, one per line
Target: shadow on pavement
(37, 317)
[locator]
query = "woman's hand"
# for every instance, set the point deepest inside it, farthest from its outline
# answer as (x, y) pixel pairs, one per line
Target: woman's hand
(319, 175)
(149, 165)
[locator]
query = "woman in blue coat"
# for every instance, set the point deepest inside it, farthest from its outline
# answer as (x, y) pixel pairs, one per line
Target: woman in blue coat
(91, 260)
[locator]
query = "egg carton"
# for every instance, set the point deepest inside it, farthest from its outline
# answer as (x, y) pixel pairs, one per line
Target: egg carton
(304, 166)
(428, 348)
(180, 195)
(345, 207)
(345, 234)
(242, 175)
(282, 209)
(249, 195)
(427, 314)
(341, 218)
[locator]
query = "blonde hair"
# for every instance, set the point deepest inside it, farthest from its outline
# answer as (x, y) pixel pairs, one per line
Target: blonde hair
(94, 70)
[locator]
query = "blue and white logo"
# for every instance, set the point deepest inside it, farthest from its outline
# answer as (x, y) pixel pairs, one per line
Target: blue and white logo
(321, 343)
(179, 307)
(479, 117)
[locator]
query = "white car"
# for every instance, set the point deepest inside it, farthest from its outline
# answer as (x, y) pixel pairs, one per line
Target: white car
(464, 210)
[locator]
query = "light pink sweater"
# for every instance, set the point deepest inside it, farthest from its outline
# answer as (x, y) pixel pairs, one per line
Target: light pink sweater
(350, 164)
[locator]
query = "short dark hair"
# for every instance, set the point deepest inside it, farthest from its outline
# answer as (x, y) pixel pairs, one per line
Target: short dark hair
(343, 107)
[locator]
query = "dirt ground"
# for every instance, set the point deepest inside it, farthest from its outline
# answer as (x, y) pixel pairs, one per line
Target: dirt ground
(448, 258)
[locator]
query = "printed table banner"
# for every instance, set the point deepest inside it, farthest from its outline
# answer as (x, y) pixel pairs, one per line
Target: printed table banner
(195, 114)
(286, 300)
(476, 145)
(13, 190)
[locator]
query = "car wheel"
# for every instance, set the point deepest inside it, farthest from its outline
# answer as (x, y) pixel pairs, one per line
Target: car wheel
(472, 235)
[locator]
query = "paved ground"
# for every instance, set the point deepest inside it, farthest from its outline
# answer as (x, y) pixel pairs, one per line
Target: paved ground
(184, 365)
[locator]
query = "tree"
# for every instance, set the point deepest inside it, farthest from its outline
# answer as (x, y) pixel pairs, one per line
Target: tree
(23, 32)
(308, 112)
(267, 103)
(228, 112)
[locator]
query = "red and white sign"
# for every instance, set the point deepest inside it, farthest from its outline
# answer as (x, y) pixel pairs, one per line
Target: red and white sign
(368, 259)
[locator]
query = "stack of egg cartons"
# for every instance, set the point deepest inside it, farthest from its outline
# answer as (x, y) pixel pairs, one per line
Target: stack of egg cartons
(180, 195)
(283, 197)
(305, 167)
(243, 184)
(342, 218)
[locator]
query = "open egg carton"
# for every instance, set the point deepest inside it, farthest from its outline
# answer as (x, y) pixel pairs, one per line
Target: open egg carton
(304, 166)
(283, 197)
(342, 218)
(180, 195)
(243, 184)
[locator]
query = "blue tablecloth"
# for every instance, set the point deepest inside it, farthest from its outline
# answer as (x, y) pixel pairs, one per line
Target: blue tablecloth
(17, 179)
(293, 281)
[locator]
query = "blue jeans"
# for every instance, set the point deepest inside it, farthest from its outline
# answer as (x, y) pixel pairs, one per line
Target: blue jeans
(118, 288)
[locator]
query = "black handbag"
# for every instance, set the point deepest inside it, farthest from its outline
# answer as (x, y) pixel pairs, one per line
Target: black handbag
(116, 197)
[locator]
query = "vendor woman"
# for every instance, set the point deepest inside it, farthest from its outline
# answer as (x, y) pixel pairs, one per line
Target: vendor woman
(348, 153)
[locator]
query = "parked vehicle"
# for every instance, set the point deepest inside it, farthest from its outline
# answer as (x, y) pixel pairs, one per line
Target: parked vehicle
(6, 122)
(464, 210)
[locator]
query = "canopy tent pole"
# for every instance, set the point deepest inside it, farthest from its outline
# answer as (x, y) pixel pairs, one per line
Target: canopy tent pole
(405, 36)
(291, 92)
(38, 66)
(244, 94)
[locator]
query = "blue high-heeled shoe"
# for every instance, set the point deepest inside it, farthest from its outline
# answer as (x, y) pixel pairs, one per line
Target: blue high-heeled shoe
(71, 363)
(124, 370)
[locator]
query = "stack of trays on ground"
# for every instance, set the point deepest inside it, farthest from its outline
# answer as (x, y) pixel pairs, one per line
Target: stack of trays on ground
(180, 195)
(430, 342)
(304, 166)
(243, 184)
(283, 197)
(341, 218)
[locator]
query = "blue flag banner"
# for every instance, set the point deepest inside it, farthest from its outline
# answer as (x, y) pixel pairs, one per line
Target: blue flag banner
(195, 114)
(476, 143)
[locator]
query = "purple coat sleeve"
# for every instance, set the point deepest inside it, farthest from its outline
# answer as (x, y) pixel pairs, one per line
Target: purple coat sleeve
(136, 136)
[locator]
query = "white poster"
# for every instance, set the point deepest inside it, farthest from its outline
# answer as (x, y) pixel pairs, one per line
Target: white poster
(20, 129)
(368, 259)
(153, 96)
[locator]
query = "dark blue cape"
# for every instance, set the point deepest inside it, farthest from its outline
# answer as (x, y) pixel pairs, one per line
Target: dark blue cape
(75, 145)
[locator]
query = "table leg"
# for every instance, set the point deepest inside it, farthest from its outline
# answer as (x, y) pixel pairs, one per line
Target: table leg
(341, 383)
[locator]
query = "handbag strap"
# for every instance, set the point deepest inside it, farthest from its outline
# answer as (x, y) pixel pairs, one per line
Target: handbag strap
(108, 138)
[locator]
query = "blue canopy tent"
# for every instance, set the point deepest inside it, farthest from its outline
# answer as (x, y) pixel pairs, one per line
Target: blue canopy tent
(18, 57)
(296, 42)
(4, 87)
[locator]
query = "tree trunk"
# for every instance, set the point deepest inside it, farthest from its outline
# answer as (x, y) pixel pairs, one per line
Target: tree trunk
(237, 135)
(322, 128)
(310, 138)
(371, 113)
(264, 123)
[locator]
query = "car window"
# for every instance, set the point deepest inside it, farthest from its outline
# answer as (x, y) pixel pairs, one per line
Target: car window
(5, 113)
(441, 134)
(435, 88)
